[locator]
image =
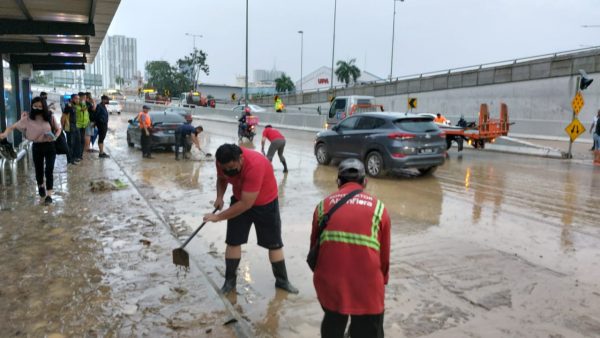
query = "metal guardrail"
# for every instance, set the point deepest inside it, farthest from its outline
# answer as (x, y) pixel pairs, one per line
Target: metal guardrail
(22, 152)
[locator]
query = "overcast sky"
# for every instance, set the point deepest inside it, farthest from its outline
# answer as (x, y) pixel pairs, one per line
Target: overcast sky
(431, 35)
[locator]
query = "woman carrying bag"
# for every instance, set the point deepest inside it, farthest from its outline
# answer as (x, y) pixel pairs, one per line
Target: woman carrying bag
(40, 128)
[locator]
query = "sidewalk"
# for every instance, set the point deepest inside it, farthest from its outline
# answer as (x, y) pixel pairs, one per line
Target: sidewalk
(97, 264)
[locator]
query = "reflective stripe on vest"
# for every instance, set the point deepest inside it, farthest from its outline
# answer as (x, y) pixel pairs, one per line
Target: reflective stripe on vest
(352, 238)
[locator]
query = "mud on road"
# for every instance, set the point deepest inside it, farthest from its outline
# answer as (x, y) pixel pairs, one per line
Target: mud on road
(492, 245)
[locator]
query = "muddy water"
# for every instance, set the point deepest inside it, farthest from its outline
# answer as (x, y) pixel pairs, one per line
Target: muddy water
(491, 245)
(95, 264)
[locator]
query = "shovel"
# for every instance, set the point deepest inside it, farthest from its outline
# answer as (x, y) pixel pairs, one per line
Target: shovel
(205, 153)
(180, 256)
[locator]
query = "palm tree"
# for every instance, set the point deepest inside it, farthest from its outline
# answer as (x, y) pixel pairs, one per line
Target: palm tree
(347, 70)
(284, 84)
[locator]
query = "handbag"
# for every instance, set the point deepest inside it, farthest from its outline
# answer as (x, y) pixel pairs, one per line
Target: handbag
(60, 144)
(313, 253)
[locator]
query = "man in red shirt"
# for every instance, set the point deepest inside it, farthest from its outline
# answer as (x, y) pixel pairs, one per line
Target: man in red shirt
(277, 144)
(353, 263)
(254, 200)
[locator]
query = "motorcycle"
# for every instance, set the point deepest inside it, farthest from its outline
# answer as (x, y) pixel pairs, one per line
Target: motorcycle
(246, 130)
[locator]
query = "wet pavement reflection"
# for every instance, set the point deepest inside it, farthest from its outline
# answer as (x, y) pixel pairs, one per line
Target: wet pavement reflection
(490, 245)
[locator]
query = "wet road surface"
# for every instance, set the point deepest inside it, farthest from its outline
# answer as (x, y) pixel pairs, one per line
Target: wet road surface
(493, 245)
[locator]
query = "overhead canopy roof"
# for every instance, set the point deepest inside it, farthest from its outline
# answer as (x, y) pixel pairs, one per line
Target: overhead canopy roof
(54, 34)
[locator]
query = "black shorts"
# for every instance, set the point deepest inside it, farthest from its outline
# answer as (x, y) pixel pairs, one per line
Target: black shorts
(267, 224)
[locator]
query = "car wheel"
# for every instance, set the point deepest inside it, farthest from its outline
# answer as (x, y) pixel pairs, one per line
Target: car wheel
(322, 155)
(129, 143)
(427, 171)
(374, 164)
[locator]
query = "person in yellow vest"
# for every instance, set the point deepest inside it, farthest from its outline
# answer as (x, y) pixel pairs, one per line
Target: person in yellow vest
(146, 130)
(279, 106)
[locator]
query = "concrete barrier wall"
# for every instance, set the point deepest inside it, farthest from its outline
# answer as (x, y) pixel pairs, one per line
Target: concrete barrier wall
(299, 121)
(538, 93)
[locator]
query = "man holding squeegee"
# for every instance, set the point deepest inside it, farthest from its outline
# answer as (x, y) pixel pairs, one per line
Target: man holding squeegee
(254, 201)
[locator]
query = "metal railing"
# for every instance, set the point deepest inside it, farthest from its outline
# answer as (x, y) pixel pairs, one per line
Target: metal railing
(22, 152)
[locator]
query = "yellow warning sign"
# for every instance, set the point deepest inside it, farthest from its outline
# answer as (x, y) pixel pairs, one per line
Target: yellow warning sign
(574, 129)
(577, 103)
(412, 102)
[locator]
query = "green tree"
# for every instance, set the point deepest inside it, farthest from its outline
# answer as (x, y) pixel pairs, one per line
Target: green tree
(191, 66)
(346, 70)
(284, 84)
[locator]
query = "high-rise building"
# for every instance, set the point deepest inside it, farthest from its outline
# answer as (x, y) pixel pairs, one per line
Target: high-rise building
(116, 59)
(262, 76)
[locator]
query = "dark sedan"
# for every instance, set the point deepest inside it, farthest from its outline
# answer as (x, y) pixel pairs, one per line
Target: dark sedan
(384, 141)
(164, 125)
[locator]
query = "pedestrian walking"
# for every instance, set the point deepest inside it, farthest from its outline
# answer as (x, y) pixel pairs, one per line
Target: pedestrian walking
(254, 201)
(277, 145)
(352, 265)
(146, 131)
(101, 121)
(73, 134)
(593, 131)
(65, 122)
(41, 129)
(186, 135)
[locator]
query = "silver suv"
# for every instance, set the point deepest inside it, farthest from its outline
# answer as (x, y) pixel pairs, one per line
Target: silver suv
(385, 141)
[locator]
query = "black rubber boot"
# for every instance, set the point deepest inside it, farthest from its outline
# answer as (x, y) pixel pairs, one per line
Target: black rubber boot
(281, 279)
(284, 166)
(231, 266)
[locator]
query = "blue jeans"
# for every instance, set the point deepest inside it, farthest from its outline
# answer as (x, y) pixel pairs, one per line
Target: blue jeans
(596, 141)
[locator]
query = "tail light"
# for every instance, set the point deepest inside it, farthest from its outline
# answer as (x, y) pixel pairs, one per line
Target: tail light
(401, 136)
(442, 134)
(398, 155)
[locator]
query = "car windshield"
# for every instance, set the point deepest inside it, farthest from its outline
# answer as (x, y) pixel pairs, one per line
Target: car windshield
(416, 125)
(178, 111)
(113, 102)
(166, 118)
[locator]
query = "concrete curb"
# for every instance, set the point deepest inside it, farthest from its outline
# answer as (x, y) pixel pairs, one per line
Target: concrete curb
(532, 151)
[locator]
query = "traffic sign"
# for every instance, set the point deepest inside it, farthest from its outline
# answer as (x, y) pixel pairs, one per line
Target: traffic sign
(574, 129)
(577, 103)
(412, 102)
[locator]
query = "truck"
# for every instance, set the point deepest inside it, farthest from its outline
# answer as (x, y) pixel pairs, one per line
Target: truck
(195, 99)
(344, 106)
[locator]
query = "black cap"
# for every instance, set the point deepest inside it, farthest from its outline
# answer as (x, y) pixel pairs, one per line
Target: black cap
(146, 107)
(351, 168)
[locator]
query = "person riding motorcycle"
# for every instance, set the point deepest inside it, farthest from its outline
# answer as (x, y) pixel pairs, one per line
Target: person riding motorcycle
(245, 129)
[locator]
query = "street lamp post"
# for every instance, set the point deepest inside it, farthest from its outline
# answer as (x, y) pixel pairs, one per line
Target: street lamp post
(393, 35)
(246, 80)
(194, 36)
(301, 56)
(333, 45)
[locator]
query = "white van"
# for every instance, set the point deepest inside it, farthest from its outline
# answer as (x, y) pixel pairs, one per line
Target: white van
(344, 106)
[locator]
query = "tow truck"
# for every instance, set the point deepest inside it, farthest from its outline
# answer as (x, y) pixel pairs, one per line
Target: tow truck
(487, 130)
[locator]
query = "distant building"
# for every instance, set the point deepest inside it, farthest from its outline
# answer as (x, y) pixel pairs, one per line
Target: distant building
(266, 77)
(321, 79)
(116, 58)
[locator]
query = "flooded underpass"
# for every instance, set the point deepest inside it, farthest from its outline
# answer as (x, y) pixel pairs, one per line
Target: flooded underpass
(492, 245)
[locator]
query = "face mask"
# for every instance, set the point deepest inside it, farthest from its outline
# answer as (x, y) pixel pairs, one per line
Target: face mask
(231, 172)
(36, 111)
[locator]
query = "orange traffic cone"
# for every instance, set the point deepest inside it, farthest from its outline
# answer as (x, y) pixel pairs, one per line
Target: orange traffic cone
(597, 157)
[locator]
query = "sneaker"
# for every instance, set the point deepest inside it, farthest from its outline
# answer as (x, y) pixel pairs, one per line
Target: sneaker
(42, 191)
(103, 155)
(48, 200)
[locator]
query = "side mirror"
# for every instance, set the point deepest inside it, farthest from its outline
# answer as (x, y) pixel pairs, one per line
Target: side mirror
(335, 128)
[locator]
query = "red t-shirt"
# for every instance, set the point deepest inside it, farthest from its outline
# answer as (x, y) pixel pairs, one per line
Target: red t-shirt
(272, 134)
(256, 175)
(350, 278)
